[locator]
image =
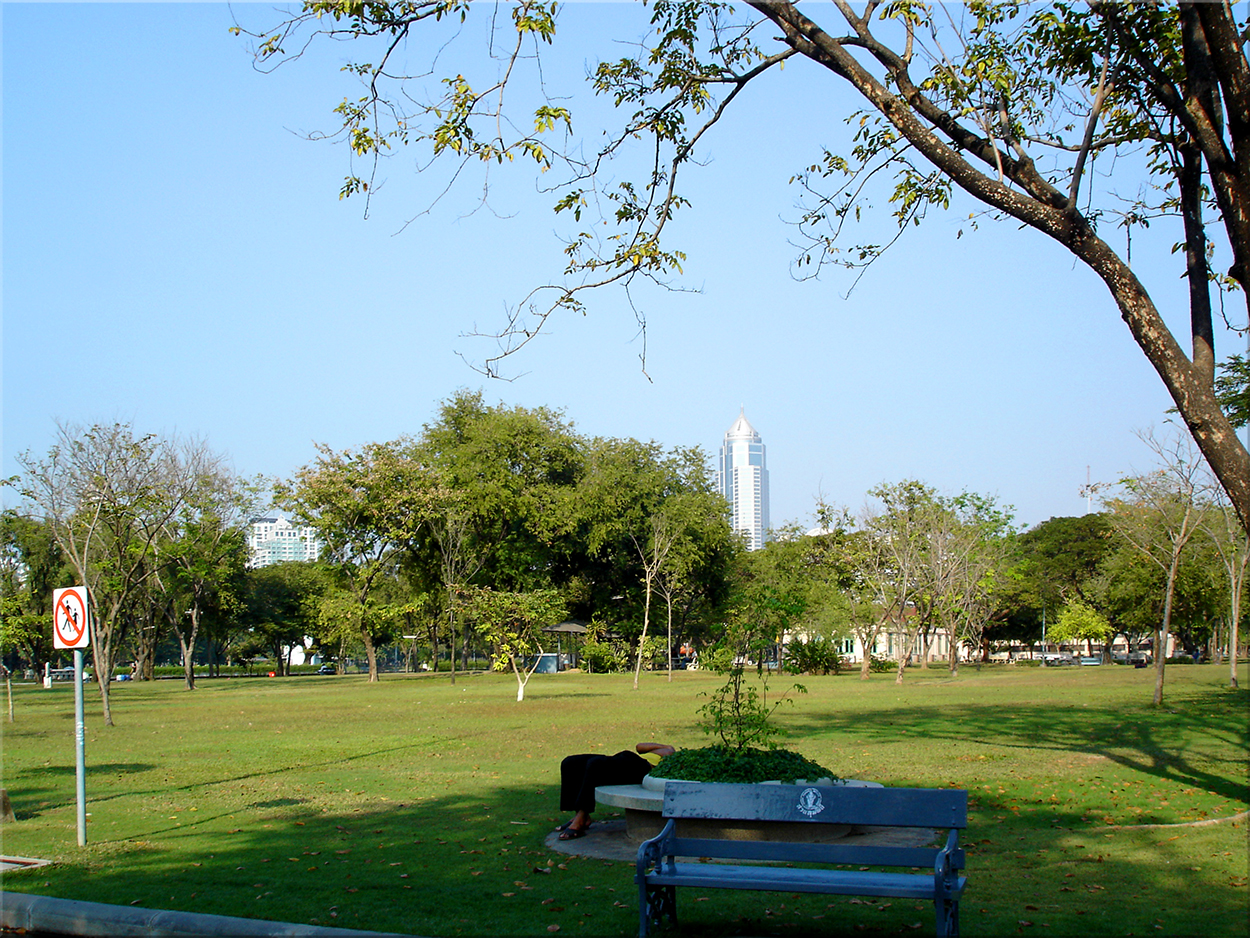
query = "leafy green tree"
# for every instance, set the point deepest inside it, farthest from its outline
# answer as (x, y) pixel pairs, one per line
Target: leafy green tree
(494, 478)
(512, 623)
(1228, 539)
(1158, 515)
(1079, 621)
(1013, 104)
(108, 494)
(31, 567)
(205, 549)
(282, 604)
(366, 506)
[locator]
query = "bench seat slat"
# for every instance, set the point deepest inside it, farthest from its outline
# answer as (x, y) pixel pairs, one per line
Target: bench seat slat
(865, 855)
(781, 879)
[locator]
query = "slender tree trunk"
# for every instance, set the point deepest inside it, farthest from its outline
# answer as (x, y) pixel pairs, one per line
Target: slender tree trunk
(8, 687)
(520, 683)
(646, 618)
(451, 636)
(905, 655)
(1232, 640)
(953, 653)
(102, 646)
(186, 642)
(669, 599)
(1161, 645)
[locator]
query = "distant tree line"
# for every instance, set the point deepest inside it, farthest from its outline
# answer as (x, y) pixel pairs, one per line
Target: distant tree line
(422, 536)
(493, 523)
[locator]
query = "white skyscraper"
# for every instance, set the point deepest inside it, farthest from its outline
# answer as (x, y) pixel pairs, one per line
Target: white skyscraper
(742, 475)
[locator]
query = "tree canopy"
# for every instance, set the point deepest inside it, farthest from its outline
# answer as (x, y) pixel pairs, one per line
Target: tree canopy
(1077, 121)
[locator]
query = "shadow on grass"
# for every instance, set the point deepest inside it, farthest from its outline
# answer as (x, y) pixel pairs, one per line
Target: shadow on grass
(109, 768)
(1154, 742)
(475, 864)
(66, 799)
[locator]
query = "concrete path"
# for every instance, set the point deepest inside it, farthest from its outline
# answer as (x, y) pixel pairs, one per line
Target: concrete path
(40, 915)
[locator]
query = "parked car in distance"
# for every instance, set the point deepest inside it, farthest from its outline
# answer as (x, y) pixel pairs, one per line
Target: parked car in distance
(1090, 659)
(1139, 659)
(1057, 658)
(327, 669)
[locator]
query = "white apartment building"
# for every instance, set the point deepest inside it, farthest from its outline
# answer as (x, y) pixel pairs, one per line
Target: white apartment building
(276, 540)
(742, 477)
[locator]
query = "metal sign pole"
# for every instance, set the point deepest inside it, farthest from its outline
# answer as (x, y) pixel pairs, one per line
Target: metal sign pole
(71, 628)
(80, 734)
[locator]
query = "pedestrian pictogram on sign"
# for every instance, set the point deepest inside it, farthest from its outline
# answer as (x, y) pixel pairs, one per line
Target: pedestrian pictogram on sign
(69, 617)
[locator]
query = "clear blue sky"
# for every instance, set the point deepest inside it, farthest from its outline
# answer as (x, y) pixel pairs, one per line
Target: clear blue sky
(175, 254)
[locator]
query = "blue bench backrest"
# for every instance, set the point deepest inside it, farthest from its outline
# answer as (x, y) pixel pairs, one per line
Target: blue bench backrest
(819, 804)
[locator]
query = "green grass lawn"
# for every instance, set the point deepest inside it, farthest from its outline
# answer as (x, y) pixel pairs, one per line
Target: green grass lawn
(420, 807)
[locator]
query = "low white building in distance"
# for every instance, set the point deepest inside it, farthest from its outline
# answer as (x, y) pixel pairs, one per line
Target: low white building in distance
(276, 540)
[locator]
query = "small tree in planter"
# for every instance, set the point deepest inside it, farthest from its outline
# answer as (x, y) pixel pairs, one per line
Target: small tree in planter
(739, 714)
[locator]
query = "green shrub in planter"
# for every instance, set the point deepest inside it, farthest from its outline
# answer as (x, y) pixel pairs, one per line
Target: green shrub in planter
(723, 764)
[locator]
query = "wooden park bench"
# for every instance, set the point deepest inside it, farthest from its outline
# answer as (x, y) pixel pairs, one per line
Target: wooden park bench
(659, 873)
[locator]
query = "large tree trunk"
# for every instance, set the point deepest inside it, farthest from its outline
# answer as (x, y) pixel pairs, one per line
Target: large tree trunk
(1035, 202)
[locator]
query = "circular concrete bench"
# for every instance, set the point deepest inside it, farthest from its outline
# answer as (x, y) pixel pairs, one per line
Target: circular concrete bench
(644, 803)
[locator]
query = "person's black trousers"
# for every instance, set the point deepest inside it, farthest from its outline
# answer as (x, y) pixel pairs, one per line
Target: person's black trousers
(580, 775)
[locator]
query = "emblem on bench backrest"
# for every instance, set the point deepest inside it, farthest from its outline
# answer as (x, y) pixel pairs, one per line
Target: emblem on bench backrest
(810, 802)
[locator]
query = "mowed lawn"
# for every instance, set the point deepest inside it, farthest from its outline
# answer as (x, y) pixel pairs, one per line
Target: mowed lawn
(421, 807)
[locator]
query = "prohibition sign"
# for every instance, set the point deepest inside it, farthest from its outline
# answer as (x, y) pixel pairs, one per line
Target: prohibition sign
(69, 618)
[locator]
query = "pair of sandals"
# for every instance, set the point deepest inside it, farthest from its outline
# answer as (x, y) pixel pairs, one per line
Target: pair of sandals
(568, 832)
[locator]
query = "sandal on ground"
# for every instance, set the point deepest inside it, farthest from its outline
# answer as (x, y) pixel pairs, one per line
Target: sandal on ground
(572, 833)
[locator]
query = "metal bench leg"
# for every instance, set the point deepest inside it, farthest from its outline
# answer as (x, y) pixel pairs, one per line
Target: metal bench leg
(658, 903)
(947, 917)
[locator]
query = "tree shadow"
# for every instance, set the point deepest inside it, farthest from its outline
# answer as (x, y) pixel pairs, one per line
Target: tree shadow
(1142, 740)
(475, 864)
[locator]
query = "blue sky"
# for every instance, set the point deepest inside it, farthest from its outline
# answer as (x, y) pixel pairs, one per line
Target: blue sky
(176, 255)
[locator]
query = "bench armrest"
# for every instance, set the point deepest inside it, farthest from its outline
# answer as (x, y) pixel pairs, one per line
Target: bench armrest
(944, 877)
(652, 852)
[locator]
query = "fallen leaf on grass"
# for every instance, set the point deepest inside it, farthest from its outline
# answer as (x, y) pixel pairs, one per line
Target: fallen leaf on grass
(509, 894)
(553, 928)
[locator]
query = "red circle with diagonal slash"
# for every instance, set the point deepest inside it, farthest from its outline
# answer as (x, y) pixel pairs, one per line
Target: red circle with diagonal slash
(71, 633)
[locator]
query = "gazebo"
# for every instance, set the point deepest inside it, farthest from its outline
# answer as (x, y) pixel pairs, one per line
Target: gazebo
(567, 627)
